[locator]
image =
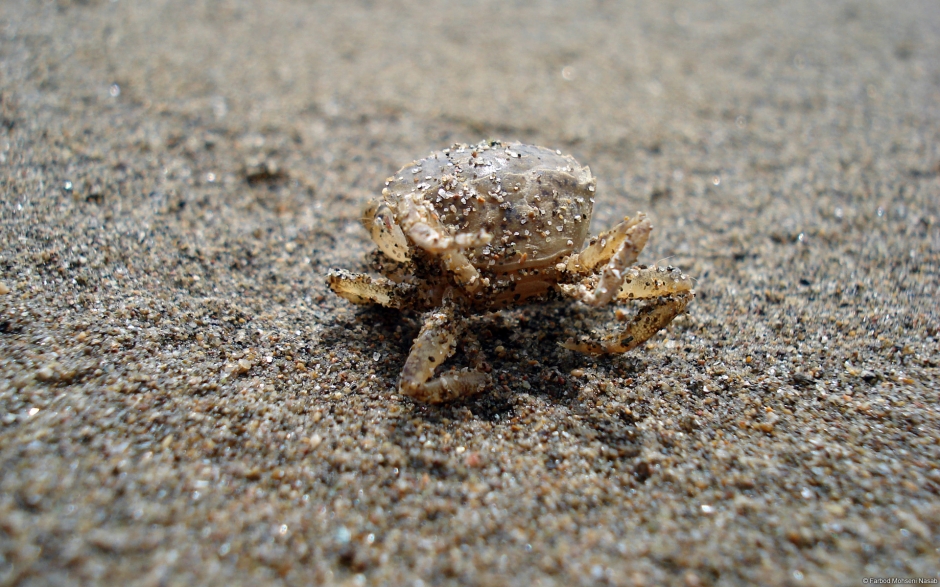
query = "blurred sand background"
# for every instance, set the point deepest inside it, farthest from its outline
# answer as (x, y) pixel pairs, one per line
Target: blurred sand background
(183, 402)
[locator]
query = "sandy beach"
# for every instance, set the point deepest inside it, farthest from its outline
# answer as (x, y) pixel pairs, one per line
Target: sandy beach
(183, 401)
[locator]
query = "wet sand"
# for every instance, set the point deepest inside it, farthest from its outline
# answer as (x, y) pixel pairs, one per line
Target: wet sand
(183, 401)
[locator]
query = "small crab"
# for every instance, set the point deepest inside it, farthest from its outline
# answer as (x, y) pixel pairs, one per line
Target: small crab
(473, 229)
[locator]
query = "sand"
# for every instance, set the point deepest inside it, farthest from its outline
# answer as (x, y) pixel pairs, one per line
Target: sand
(184, 402)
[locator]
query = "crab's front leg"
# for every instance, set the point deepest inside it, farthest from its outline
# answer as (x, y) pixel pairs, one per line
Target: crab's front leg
(434, 344)
(426, 231)
(616, 249)
(670, 291)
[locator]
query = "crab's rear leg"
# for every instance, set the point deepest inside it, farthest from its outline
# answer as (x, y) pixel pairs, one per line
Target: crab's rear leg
(670, 291)
(617, 249)
(434, 344)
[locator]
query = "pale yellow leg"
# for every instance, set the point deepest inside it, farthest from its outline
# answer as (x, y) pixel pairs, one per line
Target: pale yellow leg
(640, 283)
(670, 290)
(365, 289)
(604, 246)
(618, 248)
(434, 344)
(647, 322)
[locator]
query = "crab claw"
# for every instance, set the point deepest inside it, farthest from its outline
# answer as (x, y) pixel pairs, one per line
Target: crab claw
(386, 233)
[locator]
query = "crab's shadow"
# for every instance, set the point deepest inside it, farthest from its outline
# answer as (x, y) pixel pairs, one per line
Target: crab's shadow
(388, 332)
(519, 347)
(528, 366)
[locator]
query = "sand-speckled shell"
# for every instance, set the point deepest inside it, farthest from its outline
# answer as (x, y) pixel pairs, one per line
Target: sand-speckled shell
(536, 202)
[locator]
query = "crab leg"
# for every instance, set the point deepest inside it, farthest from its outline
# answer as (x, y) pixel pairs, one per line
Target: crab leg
(629, 237)
(605, 245)
(641, 283)
(434, 344)
(364, 289)
(647, 322)
(671, 290)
